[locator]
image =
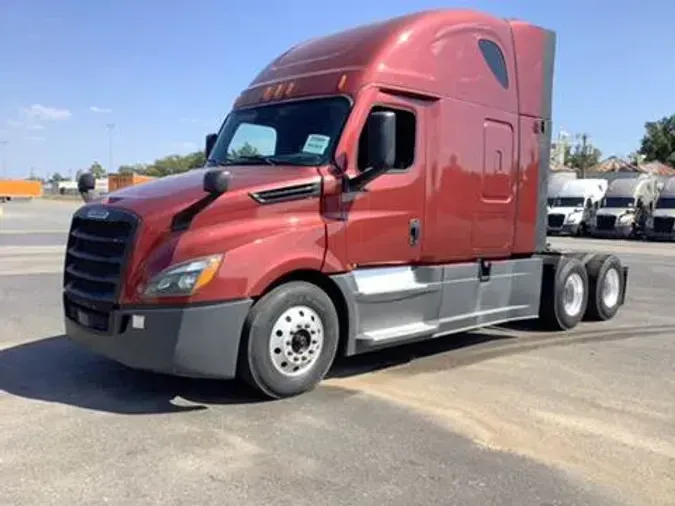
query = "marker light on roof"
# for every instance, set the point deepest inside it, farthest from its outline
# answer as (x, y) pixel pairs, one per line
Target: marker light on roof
(268, 93)
(342, 82)
(279, 91)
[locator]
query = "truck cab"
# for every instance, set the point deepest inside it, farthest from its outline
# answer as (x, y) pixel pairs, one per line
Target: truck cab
(659, 226)
(377, 186)
(627, 205)
(575, 205)
(556, 181)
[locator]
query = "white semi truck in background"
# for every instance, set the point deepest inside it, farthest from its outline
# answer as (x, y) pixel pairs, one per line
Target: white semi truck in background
(556, 180)
(574, 207)
(626, 208)
(659, 226)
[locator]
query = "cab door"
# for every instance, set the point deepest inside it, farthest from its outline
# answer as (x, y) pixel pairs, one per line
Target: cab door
(384, 222)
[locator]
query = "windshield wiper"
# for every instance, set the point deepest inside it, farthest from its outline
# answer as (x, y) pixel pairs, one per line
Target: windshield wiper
(246, 159)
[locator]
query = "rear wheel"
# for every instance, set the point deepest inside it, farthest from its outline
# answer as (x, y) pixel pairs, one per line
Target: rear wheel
(564, 295)
(290, 340)
(606, 286)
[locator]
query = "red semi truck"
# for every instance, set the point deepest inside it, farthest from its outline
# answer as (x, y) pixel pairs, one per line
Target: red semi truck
(378, 186)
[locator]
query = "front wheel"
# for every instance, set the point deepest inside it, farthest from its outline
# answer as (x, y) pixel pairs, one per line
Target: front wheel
(290, 340)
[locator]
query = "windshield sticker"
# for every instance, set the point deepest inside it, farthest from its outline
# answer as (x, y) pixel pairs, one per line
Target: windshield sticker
(316, 144)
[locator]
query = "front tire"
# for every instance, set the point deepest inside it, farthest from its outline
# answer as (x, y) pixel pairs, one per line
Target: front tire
(564, 294)
(290, 340)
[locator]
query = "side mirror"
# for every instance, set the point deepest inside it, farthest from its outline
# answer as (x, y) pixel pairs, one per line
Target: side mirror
(210, 142)
(381, 141)
(216, 181)
(86, 184)
(381, 127)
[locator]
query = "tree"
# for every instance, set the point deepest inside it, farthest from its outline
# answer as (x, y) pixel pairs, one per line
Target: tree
(658, 142)
(246, 149)
(97, 170)
(56, 178)
(175, 164)
(636, 158)
(582, 155)
(137, 168)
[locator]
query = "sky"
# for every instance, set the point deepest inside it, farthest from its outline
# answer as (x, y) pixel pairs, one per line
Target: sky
(166, 72)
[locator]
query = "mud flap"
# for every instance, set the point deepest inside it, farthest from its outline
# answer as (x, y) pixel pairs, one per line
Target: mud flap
(625, 284)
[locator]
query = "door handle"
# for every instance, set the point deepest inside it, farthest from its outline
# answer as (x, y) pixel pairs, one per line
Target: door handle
(415, 231)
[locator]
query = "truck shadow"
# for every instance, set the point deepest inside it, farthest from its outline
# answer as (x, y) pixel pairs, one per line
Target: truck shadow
(56, 370)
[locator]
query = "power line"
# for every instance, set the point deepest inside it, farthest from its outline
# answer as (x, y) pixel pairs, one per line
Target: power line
(110, 127)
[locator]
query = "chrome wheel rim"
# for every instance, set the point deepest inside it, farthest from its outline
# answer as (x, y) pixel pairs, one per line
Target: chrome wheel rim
(296, 340)
(610, 288)
(573, 294)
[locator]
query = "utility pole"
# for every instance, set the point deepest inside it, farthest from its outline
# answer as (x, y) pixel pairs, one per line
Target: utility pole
(110, 127)
(3, 173)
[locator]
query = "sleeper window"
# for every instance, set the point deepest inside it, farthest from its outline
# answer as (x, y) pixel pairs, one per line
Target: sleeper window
(495, 60)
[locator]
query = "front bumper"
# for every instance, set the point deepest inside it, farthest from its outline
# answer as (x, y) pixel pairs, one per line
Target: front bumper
(621, 231)
(566, 229)
(200, 341)
(659, 236)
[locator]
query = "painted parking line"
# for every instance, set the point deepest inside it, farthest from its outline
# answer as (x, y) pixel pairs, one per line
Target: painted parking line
(21, 231)
(31, 260)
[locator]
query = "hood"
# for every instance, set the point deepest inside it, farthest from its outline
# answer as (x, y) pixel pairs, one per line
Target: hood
(664, 212)
(615, 211)
(157, 203)
(565, 210)
(171, 194)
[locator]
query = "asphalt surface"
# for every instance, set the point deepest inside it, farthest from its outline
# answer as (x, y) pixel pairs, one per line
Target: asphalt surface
(501, 417)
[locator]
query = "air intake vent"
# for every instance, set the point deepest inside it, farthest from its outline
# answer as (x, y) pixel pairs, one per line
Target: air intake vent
(288, 193)
(98, 244)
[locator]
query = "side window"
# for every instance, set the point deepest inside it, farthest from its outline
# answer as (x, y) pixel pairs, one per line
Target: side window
(495, 60)
(406, 134)
(251, 139)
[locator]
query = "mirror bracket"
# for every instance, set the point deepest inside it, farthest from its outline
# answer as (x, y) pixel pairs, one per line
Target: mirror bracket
(210, 141)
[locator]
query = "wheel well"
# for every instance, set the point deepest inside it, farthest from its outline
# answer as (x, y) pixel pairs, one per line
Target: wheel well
(330, 288)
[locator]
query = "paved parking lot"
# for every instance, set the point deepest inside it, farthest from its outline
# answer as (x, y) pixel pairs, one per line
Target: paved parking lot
(497, 417)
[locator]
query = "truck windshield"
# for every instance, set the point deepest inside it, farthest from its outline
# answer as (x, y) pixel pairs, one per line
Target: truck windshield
(302, 132)
(665, 203)
(569, 202)
(619, 202)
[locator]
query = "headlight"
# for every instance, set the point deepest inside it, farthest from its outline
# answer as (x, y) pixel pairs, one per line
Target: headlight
(184, 278)
(626, 218)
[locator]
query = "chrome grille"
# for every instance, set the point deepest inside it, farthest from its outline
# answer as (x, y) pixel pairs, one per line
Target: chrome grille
(556, 220)
(663, 224)
(96, 254)
(605, 222)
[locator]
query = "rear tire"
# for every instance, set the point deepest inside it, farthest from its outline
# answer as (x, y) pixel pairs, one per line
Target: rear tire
(290, 340)
(564, 294)
(605, 287)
